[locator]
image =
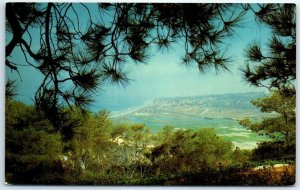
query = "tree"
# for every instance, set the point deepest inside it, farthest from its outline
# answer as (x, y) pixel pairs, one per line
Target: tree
(54, 41)
(275, 69)
(88, 151)
(278, 103)
(240, 156)
(282, 127)
(32, 147)
(190, 151)
(131, 146)
(276, 66)
(10, 89)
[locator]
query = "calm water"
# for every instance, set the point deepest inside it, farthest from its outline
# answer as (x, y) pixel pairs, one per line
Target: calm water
(229, 129)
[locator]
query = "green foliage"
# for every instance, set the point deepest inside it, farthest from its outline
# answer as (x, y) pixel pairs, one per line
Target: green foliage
(279, 103)
(51, 144)
(32, 147)
(282, 127)
(86, 57)
(189, 150)
(86, 151)
(100, 152)
(241, 156)
(132, 145)
(276, 66)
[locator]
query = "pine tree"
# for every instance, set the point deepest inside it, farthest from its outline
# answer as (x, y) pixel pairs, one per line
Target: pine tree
(275, 67)
(52, 41)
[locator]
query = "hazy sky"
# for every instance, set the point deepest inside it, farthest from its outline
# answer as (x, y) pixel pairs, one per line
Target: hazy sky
(163, 75)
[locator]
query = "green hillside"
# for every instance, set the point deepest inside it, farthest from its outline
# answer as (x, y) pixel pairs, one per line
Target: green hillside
(221, 112)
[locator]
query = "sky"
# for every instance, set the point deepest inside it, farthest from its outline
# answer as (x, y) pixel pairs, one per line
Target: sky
(163, 75)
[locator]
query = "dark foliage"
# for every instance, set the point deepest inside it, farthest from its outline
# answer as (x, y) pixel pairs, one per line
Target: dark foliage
(60, 145)
(274, 150)
(276, 66)
(275, 69)
(104, 154)
(54, 42)
(10, 89)
(281, 127)
(32, 147)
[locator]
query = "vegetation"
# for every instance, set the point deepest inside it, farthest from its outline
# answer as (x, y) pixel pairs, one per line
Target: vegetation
(59, 141)
(100, 152)
(276, 70)
(282, 129)
(32, 146)
(85, 56)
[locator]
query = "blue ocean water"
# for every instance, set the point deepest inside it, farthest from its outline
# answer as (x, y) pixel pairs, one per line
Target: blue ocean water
(115, 105)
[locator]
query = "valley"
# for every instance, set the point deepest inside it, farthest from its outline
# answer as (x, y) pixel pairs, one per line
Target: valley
(221, 112)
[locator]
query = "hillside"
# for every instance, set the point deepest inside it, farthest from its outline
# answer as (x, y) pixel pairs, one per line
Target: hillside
(220, 112)
(222, 106)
